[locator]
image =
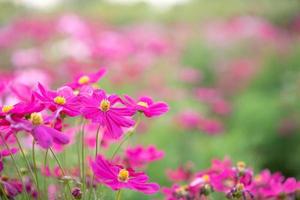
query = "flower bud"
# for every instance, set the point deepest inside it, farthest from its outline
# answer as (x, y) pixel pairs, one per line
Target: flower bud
(23, 171)
(76, 193)
(206, 190)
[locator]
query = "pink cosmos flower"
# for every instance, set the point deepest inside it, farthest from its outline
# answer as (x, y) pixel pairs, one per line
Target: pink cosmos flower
(147, 106)
(139, 156)
(5, 153)
(61, 101)
(182, 174)
(44, 135)
(20, 109)
(211, 126)
(21, 91)
(177, 192)
(277, 188)
(87, 79)
(12, 187)
(221, 107)
(71, 132)
(101, 108)
(117, 177)
(188, 119)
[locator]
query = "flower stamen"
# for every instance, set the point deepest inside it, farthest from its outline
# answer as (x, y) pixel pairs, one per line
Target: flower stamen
(206, 178)
(241, 166)
(143, 104)
(84, 80)
(104, 105)
(123, 175)
(7, 108)
(36, 118)
(59, 100)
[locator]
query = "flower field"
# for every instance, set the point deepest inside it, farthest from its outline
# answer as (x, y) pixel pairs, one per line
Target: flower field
(198, 101)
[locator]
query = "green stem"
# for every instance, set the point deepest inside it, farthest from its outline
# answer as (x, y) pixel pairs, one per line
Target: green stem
(97, 141)
(118, 195)
(35, 166)
(62, 170)
(83, 161)
(45, 165)
(26, 160)
(128, 135)
(4, 193)
(96, 153)
(15, 165)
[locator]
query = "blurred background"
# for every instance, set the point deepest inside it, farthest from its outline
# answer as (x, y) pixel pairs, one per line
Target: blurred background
(229, 69)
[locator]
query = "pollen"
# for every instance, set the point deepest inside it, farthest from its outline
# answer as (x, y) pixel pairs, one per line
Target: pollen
(59, 100)
(143, 104)
(123, 175)
(36, 118)
(206, 178)
(84, 80)
(182, 190)
(241, 165)
(104, 105)
(7, 108)
(240, 186)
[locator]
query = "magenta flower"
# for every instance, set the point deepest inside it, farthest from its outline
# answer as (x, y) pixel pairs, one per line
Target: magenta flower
(188, 119)
(61, 101)
(177, 192)
(5, 153)
(210, 126)
(140, 156)
(21, 109)
(12, 187)
(41, 132)
(117, 177)
(87, 79)
(147, 106)
(280, 188)
(100, 108)
(182, 174)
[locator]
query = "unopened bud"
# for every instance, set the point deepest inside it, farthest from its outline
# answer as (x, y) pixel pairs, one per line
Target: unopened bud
(76, 193)
(206, 190)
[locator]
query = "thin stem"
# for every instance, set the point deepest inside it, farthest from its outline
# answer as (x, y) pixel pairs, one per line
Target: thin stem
(128, 135)
(78, 144)
(3, 191)
(62, 170)
(45, 165)
(35, 166)
(26, 160)
(78, 154)
(97, 141)
(15, 165)
(83, 161)
(96, 153)
(118, 195)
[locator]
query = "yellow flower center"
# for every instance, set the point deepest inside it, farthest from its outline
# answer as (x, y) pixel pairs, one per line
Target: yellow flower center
(182, 190)
(84, 80)
(104, 105)
(36, 118)
(59, 100)
(206, 178)
(123, 175)
(241, 165)
(7, 108)
(240, 186)
(143, 104)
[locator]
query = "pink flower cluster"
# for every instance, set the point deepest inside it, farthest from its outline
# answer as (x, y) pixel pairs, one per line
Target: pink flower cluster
(45, 117)
(233, 181)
